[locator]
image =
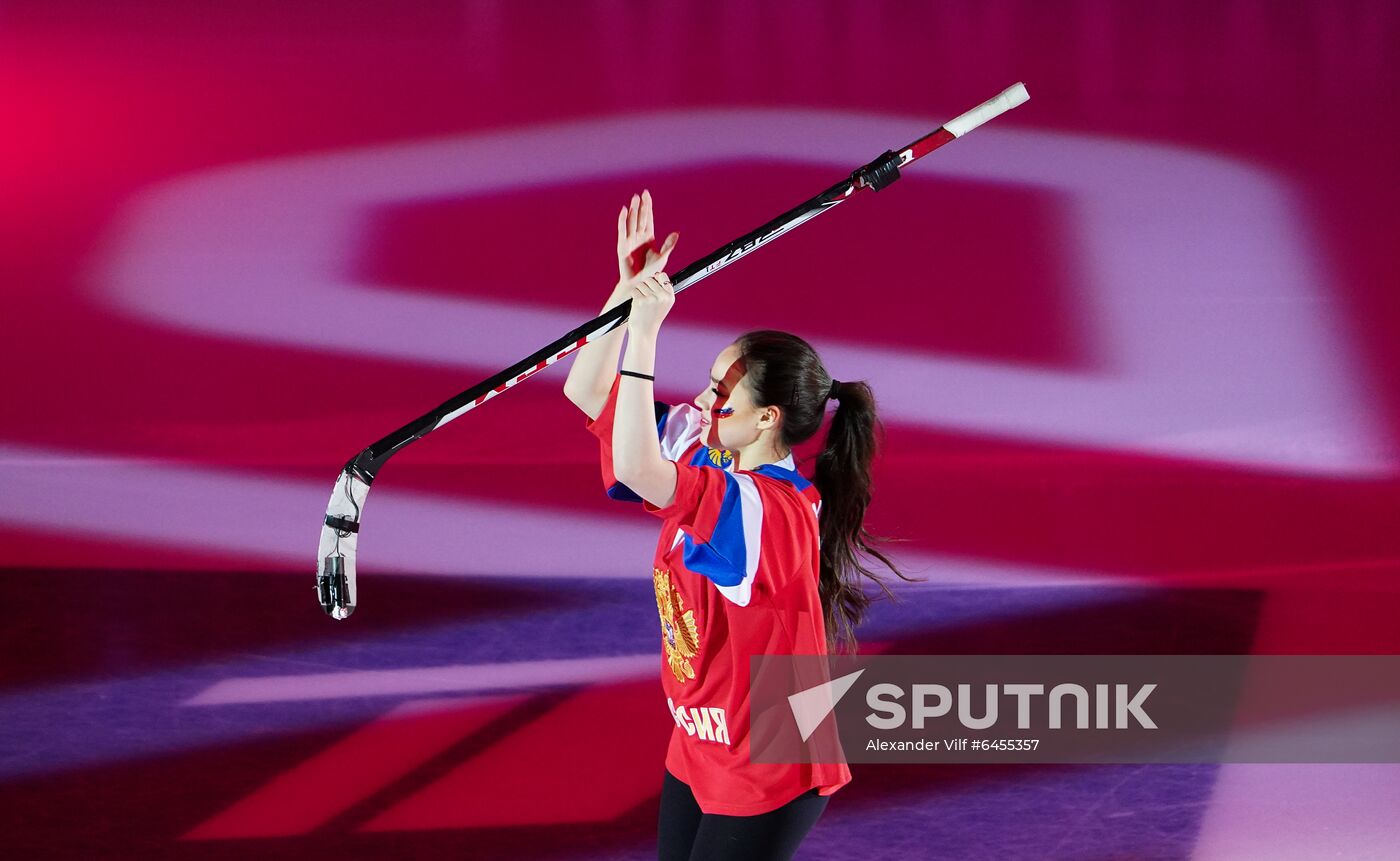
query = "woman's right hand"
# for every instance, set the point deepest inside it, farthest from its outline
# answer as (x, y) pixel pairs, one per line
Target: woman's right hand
(636, 231)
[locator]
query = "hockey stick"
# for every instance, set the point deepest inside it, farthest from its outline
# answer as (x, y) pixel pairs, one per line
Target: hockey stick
(335, 580)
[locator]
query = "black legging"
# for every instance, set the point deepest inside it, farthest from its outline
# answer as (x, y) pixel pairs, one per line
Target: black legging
(684, 833)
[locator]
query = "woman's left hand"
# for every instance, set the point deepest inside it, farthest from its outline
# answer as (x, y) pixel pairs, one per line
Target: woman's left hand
(636, 230)
(652, 298)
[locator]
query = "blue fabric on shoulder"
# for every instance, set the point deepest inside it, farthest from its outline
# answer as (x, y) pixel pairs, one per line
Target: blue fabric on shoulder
(723, 557)
(792, 476)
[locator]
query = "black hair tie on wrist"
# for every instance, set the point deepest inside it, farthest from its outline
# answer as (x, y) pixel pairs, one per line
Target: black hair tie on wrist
(835, 387)
(638, 376)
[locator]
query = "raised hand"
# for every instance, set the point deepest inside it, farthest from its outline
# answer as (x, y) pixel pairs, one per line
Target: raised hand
(636, 232)
(652, 297)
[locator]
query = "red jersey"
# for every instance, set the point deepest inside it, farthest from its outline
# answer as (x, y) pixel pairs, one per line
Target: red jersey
(735, 574)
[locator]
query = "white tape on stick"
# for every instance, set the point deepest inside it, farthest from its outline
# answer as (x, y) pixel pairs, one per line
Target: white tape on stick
(993, 107)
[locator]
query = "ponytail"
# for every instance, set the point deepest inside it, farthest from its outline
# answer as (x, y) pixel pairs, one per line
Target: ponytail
(784, 371)
(843, 479)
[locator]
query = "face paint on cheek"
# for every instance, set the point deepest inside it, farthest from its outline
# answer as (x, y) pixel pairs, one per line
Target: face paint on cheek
(719, 410)
(719, 413)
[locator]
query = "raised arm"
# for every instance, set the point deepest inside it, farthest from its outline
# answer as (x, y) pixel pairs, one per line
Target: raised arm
(637, 459)
(595, 365)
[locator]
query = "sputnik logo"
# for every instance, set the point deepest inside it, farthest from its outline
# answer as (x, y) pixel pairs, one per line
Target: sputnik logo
(810, 707)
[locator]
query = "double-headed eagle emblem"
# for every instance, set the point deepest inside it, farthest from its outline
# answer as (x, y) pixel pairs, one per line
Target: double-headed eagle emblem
(720, 456)
(678, 632)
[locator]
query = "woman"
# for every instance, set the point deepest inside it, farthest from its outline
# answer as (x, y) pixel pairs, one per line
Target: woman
(752, 558)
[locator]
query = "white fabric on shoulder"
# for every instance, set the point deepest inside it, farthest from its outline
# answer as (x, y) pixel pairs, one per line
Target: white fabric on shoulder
(681, 429)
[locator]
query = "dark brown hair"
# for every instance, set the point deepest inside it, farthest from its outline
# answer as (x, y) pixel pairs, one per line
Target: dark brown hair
(784, 371)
